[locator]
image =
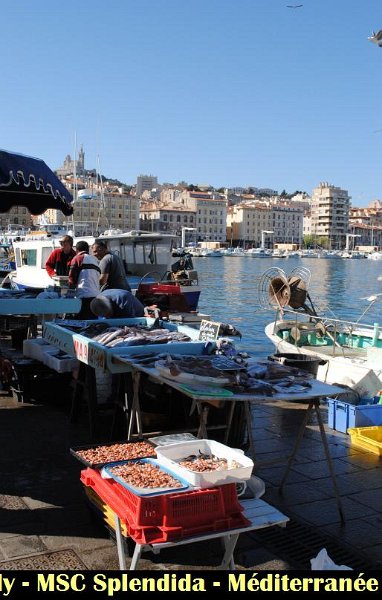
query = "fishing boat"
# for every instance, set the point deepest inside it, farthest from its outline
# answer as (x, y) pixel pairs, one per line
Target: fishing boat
(147, 257)
(348, 353)
(7, 263)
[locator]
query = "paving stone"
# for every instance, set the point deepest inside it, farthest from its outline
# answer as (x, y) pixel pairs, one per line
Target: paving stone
(64, 560)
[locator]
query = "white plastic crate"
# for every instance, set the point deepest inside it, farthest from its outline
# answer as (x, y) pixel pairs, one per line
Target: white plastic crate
(38, 347)
(61, 364)
(172, 454)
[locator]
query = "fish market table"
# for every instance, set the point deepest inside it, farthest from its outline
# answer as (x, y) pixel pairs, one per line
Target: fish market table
(311, 396)
(73, 338)
(13, 304)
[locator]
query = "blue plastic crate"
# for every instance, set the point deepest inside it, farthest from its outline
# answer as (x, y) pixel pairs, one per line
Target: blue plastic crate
(342, 415)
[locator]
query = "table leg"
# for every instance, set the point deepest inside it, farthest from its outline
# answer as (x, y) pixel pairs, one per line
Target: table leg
(135, 412)
(248, 420)
(203, 411)
(314, 404)
(136, 556)
(329, 460)
(120, 549)
(229, 422)
(229, 542)
(296, 446)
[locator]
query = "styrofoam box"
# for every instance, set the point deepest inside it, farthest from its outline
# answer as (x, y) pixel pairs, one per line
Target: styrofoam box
(61, 364)
(171, 454)
(38, 347)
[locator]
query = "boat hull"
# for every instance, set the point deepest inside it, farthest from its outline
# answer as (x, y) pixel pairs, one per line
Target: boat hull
(358, 367)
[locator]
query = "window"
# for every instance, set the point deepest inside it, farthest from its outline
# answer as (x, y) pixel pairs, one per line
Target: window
(29, 257)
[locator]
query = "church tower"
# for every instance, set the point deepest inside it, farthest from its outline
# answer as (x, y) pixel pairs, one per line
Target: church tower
(81, 161)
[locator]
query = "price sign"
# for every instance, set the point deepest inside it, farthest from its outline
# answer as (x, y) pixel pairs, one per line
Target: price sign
(209, 330)
(88, 352)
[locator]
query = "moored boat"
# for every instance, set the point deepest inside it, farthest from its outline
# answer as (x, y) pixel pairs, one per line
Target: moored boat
(349, 353)
(147, 258)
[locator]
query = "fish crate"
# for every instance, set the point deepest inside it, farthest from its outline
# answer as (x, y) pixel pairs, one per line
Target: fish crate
(240, 469)
(342, 415)
(97, 456)
(367, 438)
(171, 516)
(102, 510)
(100, 357)
(38, 347)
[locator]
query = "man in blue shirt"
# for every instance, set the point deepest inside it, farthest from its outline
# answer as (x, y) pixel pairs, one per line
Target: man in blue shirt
(115, 304)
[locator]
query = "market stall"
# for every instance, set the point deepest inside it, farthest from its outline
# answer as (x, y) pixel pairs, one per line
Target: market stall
(269, 380)
(96, 344)
(172, 504)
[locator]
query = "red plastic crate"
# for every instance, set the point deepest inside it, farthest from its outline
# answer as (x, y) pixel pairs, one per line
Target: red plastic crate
(169, 516)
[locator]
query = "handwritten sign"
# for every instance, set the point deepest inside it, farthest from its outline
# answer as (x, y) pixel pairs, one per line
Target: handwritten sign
(88, 352)
(209, 330)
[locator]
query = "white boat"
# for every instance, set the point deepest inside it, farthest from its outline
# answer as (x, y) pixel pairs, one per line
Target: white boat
(258, 253)
(375, 256)
(349, 353)
(145, 255)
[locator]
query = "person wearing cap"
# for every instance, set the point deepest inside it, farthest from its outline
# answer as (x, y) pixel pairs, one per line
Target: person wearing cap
(117, 304)
(59, 259)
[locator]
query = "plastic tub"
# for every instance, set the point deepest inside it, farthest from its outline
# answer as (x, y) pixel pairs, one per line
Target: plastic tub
(172, 454)
(300, 361)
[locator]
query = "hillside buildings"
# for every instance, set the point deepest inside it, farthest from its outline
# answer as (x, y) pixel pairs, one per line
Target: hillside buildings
(246, 217)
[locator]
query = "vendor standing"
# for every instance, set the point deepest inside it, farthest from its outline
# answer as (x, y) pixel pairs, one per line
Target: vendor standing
(59, 259)
(113, 275)
(84, 279)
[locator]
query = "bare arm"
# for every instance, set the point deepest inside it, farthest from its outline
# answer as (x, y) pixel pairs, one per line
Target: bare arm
(103, 278)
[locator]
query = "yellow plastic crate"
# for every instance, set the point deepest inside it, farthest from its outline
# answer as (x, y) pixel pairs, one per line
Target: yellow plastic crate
(367, 438)
(107, 513)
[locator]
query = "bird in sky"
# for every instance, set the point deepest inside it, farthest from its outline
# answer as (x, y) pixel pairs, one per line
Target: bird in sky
(376, 37)
(294, 5)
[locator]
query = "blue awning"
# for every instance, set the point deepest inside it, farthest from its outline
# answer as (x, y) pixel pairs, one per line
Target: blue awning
(27, 181)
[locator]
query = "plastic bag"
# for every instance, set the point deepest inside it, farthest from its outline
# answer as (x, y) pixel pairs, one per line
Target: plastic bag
(323, 562)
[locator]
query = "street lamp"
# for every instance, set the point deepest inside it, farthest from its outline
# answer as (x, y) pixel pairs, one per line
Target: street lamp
(263, 237)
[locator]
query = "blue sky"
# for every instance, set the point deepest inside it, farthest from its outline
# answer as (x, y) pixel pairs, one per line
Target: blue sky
(226, 92)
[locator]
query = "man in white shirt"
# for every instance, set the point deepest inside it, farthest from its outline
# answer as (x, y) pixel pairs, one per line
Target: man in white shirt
(84, 275)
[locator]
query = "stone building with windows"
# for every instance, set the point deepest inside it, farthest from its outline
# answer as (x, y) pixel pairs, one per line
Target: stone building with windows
(246, 223)
(330, 214)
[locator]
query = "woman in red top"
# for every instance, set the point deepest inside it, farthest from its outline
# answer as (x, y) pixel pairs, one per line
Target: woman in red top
(59, 259)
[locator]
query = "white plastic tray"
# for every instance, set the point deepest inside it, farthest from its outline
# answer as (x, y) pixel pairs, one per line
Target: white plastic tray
(173, 453)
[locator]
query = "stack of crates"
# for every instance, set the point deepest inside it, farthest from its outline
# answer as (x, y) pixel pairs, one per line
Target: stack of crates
(165, 517)
(342, 415)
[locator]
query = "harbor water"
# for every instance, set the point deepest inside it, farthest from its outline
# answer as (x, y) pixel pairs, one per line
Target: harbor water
(338, 288)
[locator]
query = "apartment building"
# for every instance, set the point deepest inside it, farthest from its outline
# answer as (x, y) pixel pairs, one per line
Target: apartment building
(250, 223)
(145, 182)
(166, 217)
(330, 214)
(211, 216)
(18, 217)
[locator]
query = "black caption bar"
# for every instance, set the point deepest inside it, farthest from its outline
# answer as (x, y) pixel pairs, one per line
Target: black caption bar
(110, 584)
